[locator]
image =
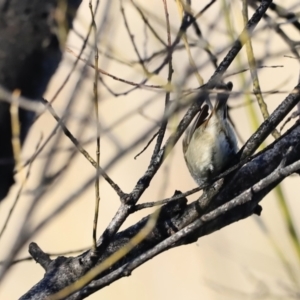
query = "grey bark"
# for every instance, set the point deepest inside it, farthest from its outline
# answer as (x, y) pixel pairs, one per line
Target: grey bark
(173, 221)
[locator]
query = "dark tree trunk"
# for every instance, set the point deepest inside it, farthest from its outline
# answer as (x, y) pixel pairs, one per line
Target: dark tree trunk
(30, 54)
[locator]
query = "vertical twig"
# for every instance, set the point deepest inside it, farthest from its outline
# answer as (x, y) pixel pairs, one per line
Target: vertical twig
(183, 11)
(15, 128)
(252, 66)
(95, 90)
(163, 127)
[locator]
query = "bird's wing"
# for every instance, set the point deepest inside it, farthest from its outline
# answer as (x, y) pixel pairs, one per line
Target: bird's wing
(200, 119)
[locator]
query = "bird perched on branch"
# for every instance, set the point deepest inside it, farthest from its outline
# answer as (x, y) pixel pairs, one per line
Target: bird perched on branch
(210, 143)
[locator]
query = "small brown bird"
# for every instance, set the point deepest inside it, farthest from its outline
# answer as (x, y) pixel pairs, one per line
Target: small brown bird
(210, 143)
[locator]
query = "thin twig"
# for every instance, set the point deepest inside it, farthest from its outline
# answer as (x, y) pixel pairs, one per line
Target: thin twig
(268, 125)
(165, 201)
(253, 70)
(148, 144)
(136, 84)
(76, 61)
(76, 143)
(131, 37)
(30, 258)
(95, 91)
(146, 22)
(183, 12)
(164, 123)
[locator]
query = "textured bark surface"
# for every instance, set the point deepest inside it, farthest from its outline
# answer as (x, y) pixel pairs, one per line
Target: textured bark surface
(30, 52)
(173, 219)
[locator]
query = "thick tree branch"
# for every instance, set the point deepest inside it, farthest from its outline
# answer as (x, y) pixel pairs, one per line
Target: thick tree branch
(180, 223)
(157, 161)
(28, 64)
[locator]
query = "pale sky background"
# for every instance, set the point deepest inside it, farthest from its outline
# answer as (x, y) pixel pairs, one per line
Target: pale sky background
(237, 262)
